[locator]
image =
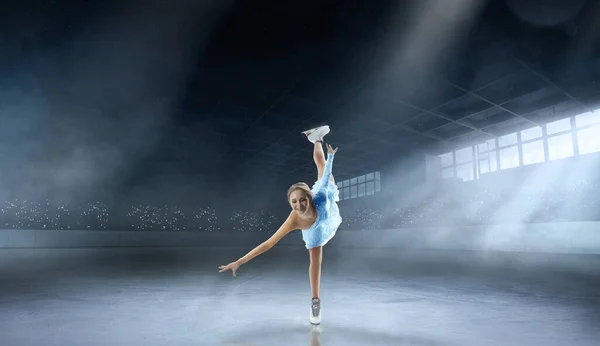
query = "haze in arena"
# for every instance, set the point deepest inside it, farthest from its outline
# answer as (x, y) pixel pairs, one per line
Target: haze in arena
(408, 172)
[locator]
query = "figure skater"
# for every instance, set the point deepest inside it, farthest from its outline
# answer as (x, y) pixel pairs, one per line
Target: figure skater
(314, 211)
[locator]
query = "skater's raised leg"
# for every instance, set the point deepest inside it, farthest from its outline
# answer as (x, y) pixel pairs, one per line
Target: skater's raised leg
(315, 136)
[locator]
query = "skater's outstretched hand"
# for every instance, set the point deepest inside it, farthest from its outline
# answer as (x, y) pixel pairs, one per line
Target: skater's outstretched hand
(233, 266)
(330, 150)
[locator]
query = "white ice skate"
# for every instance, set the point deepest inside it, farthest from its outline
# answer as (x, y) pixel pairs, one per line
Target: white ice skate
(315, 311)
(316, 134)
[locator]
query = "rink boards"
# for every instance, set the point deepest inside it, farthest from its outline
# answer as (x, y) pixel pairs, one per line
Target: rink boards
(562, 237)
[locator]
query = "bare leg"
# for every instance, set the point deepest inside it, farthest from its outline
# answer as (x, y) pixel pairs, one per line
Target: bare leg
(319, 154)
(319, 157)
(316, 255)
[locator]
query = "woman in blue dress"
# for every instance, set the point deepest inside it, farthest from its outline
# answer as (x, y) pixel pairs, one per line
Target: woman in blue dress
(314, 211)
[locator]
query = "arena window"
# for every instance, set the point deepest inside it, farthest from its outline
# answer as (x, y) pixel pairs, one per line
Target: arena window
(589, 140)
(553, 141)
(363, 185)
(561, 146)
(533, 152)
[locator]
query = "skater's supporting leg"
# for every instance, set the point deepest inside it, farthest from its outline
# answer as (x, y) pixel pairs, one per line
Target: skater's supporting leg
(316, 255)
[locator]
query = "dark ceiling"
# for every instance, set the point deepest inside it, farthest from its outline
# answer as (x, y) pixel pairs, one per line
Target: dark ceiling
(273, 69)
(391, 78)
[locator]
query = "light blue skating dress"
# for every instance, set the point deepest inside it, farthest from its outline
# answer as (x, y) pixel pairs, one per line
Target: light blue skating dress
(325, 198)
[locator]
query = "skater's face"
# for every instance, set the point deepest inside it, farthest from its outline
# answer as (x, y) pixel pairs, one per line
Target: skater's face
(299, 201)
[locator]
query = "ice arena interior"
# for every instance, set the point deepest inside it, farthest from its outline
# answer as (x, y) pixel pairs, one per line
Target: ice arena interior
(146, 144)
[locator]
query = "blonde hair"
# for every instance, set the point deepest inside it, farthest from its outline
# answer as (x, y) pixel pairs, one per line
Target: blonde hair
(300, 186)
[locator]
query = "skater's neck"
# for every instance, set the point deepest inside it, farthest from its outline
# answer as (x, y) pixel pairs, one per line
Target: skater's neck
(310, 215)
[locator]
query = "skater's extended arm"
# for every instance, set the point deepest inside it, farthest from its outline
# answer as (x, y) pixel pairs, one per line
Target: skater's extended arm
(327, 169)
(286, 227)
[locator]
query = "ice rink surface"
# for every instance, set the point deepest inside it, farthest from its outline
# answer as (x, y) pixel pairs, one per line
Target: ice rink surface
(177, 297)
